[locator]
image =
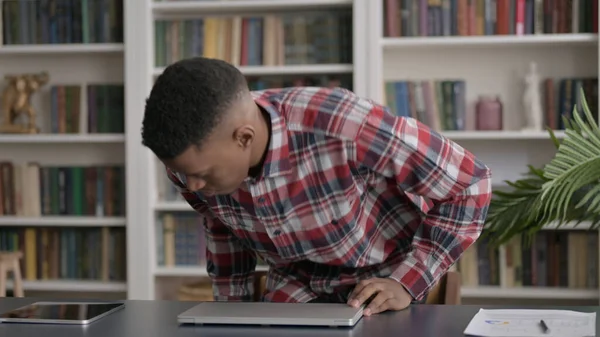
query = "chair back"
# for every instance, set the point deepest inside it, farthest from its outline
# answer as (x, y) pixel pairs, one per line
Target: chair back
(446, 291)
(260, 284)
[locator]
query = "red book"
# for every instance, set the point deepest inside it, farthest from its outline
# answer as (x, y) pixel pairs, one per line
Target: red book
(392, 27)
(520, 17)
(502, 20)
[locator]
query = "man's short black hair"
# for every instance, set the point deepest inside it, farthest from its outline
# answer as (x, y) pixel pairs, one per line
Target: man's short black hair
(186, 102)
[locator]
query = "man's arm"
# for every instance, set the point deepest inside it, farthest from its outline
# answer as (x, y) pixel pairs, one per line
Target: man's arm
(424, 163)
(229, 264)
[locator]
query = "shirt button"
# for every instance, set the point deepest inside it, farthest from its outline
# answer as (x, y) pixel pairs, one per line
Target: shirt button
(261, 200)
(277, 232)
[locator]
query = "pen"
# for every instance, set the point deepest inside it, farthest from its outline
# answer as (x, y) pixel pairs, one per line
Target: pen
(545, 328)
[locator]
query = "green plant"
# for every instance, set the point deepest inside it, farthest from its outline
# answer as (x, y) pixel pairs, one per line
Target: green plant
(566, 190)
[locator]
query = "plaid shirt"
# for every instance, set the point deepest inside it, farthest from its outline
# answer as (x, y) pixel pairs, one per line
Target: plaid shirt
(348, 191)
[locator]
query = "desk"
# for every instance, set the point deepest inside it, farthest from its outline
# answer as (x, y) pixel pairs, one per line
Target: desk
(158, 319)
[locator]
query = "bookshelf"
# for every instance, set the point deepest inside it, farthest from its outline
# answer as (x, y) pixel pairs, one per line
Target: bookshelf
(46, 211)
(489, 64)
(150, 48)
(491, 56)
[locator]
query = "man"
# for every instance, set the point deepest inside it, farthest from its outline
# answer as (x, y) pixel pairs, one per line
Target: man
(343, 200)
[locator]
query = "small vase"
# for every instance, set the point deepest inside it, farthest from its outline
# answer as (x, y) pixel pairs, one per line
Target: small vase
(488, 113)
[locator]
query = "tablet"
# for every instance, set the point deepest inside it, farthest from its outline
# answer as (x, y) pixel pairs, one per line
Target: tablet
(80, 313)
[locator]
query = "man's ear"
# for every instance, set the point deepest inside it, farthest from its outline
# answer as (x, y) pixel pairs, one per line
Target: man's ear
(244, 135)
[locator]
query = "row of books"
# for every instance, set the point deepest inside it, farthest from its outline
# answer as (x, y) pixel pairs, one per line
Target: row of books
(261, 83)
(488, 17)
(567, 259)
(32, 190)
(181, 241)
(98, 21)
(442, 106)
(53, 253)
(439, 104)
(61, 21)
(562, 94)
(105, 108)
(300, 38)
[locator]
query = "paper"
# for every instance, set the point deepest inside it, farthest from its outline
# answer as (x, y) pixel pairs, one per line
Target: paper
(526, 323)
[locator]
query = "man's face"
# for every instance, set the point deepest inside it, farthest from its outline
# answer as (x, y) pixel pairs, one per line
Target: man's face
(220, 165)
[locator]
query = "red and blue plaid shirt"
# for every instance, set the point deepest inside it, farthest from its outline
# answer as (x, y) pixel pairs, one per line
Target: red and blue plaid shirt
(348, 191)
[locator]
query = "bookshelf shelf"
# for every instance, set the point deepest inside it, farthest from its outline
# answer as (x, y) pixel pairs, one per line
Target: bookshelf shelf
(500, 41)
(172, 206)
(72, 286)
(62, 48)
(308, 69)
(61, 138)
(529, 293)
(63, 221)
(193, 8)
(569, 226)
(188, 271)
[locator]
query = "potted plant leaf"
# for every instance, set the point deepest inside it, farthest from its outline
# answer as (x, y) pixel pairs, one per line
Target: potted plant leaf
(566, 190)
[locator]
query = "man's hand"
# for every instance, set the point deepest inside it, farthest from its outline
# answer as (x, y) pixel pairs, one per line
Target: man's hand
(388, 295)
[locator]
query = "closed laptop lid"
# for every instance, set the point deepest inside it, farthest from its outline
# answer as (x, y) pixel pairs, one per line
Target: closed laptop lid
(333, 314)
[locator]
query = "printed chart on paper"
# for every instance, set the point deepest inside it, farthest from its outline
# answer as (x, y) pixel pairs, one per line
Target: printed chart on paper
(523, 323)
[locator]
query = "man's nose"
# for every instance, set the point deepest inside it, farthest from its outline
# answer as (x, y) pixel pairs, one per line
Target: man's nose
(195, 184)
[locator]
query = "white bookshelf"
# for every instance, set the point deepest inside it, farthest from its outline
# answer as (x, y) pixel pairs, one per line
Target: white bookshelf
(66, 64)
(490, 65)
(145, 276)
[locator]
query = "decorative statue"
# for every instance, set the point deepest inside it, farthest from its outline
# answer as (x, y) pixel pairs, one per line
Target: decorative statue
(532, 101)
(16, 100)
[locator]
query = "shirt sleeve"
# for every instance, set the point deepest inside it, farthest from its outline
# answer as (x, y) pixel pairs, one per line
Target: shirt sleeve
(229, 264)
(451, 179)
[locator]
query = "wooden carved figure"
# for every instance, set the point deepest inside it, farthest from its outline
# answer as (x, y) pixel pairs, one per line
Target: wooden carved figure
(16, 100)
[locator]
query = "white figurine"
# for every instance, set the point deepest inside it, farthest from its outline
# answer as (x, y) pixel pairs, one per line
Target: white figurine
(532, 101)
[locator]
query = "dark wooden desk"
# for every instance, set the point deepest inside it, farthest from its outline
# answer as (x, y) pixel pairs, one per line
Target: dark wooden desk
(158, 319)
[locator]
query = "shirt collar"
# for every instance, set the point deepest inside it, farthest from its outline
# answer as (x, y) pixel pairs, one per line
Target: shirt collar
(277, 162)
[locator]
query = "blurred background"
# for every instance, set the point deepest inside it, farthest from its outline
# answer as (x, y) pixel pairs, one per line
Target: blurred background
(93, 214)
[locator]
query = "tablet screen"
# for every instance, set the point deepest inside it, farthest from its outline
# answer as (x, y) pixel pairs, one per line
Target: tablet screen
(71, 311)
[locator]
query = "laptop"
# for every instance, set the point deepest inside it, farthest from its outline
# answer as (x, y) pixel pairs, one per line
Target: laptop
(271, 313)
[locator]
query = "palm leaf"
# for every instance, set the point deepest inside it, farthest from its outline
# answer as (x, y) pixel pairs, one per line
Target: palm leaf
(574, 168)
(566, 190)
(510, 211)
